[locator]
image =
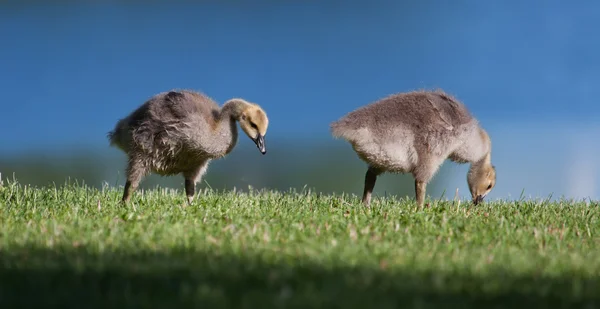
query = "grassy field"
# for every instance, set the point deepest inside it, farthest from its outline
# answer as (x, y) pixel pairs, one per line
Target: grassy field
(74, 247)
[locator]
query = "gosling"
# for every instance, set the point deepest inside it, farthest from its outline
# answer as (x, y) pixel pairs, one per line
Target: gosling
(415, 132)
(181, 132)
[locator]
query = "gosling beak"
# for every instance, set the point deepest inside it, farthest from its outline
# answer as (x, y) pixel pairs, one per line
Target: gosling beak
(260, 143)
(478, 199)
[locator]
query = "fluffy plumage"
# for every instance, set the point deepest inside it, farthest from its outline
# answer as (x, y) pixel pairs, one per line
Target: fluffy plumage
(415, 132)
(181, 132)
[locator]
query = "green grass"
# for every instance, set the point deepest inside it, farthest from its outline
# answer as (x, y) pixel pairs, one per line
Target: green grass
(76, 247)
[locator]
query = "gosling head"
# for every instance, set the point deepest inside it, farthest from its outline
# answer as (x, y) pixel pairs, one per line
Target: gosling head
(481, 179)
(254, 122)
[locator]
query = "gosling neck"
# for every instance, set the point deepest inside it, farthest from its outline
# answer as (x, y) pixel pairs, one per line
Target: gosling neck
(486, 160)
(232, 109)
(226, 133)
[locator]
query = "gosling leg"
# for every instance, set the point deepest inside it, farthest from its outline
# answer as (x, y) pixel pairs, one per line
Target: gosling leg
(135, 172)
(420, 187)
(192, 177)
(190, 190)
(370, 179)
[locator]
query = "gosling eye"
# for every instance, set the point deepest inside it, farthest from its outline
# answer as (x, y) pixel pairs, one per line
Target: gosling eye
(253, 125)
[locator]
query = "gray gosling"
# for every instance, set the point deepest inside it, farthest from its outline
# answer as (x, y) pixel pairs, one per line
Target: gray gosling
(181, 132)
(415, 132)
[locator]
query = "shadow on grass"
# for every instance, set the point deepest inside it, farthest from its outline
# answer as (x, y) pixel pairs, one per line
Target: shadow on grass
(76, 278)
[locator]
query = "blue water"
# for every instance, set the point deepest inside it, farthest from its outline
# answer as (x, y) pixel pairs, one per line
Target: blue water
(69, 70)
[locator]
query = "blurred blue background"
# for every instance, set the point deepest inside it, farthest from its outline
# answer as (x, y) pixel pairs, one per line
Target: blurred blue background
(528, 70)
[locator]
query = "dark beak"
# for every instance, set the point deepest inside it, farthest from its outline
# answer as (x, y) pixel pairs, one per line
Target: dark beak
(478, 199)
(260, 143)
